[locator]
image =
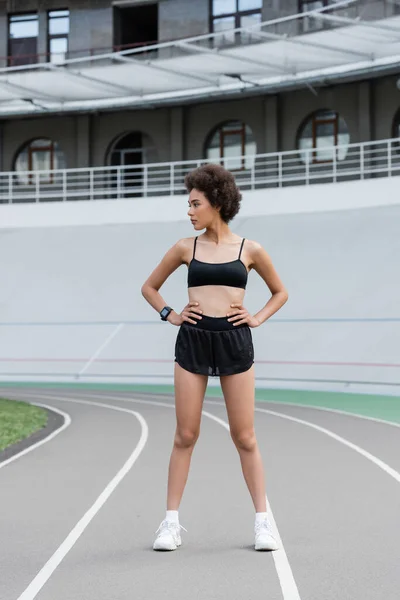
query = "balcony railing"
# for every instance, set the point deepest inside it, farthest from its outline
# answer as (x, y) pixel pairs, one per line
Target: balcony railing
(298, 167)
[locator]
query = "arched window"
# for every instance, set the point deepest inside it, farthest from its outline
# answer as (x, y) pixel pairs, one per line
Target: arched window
(396, 125)
(41, 154)
(321, 132)
(233, 144)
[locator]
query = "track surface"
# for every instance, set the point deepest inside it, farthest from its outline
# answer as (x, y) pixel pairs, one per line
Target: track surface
(79, 512)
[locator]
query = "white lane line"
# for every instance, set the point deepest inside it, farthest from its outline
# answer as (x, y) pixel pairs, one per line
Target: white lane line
(374, 459)
(48, 569)
(333, 410)
(377, 461)
(101, 348)
(67, 423)
(282, 566)
(289, 404)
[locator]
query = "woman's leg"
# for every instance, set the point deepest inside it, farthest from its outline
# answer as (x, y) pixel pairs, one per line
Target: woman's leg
(189, 395)
(238, 392)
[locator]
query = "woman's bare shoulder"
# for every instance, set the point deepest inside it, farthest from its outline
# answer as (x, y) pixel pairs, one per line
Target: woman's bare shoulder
(185, 247)
(253, 247)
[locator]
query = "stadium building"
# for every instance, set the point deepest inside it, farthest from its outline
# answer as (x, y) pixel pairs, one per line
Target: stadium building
(105, 84)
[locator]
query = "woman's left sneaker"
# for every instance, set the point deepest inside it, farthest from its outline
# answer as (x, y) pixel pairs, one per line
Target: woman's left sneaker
(169, 536)
(264, 538)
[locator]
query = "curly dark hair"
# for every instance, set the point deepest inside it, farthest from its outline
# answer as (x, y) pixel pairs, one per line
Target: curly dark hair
(219, 187)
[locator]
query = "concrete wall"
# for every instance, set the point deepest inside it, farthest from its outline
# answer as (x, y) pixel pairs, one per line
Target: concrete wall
(182, 18)
(79, 267)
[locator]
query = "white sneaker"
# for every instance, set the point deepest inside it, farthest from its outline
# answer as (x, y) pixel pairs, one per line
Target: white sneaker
(169, 536)
(264, 538)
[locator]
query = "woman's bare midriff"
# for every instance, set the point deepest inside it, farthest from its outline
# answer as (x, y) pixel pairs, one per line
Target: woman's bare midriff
(216, 300)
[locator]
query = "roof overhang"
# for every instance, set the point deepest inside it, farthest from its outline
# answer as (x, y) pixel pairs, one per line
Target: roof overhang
(204, 67)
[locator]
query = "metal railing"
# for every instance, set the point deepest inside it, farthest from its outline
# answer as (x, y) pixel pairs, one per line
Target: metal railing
(297, 167)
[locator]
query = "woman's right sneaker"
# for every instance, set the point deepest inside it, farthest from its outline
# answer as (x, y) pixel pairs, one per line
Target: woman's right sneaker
(264, 537)
(169, 536)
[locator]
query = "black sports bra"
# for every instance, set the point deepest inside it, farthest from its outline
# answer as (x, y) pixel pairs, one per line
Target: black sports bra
(232, 273)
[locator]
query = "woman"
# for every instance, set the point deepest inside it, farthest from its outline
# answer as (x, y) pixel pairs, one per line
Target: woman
(214, 338)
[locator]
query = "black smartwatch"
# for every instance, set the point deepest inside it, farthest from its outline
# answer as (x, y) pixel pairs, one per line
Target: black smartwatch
(165, 312)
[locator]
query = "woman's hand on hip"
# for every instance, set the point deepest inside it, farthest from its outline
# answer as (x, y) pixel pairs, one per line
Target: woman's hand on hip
(191, 313)
(239, 315)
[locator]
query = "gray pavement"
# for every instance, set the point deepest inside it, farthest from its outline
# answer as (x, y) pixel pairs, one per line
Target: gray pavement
(337, 513)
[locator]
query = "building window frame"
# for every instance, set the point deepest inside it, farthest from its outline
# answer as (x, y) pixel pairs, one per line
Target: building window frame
(236, 15)
(318, 119)
(52, 17)
(13, 60)
(243, 130)
(52, 148)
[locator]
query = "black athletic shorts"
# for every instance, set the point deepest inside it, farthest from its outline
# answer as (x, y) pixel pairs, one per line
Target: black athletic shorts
(214, 346)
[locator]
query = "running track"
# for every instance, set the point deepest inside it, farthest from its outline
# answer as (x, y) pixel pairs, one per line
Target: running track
(79, 512)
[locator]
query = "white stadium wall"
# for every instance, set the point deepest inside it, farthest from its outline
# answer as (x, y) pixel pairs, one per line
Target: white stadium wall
(70, 300)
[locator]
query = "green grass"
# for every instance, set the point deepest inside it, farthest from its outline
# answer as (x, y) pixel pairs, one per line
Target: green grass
(18, 420)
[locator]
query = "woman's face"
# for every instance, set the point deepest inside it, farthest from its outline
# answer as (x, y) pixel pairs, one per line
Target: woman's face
(201, 213)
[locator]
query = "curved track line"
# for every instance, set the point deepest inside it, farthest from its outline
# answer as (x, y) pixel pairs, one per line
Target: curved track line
(48, 569)
(67, 423)
(377, 461)
(289, 404)
(333, 410)
(293, 404)
(282, 566)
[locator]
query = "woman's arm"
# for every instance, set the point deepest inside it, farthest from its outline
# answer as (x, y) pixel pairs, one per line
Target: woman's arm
(262, 263)
(173, 259)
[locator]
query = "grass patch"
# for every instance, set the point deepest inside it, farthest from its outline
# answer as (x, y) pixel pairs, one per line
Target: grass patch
(18, 420)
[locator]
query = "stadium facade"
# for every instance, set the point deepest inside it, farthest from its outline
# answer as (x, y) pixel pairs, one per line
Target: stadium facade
(352, 107)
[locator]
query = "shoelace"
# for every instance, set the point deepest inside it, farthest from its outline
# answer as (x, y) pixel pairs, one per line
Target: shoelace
(264, 525)
(170, 525)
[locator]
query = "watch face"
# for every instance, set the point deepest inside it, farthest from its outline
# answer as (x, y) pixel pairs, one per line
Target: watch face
(165, 312)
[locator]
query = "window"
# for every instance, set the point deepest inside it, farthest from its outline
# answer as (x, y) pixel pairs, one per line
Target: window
(233, 142)
(57, 35)
(39, 155)
(135, 26)
(22, 39)
(231, 14)
(321, 132)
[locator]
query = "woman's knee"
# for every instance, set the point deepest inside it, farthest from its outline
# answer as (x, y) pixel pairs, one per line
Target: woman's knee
(244, 439)
(186, 438)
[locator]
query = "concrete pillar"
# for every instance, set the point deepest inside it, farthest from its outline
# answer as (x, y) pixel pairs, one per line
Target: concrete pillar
(176, 134)
(276, 9)
(82, 140)
(365, 124)
(3, 39)
(42, 37)
(271, 124)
